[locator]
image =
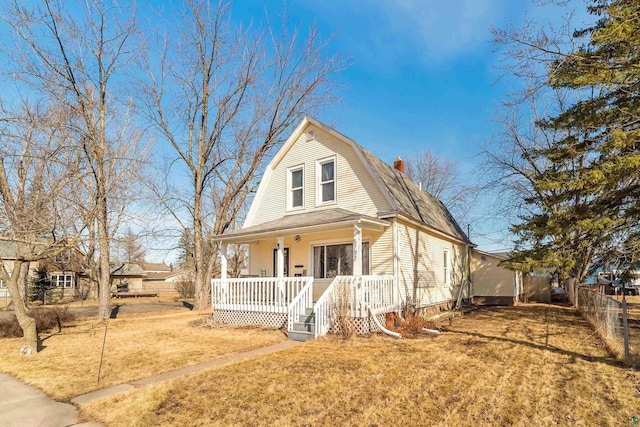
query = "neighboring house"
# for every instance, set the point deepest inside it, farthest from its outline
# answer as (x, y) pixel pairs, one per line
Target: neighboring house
(63, 272)
(126, 276)
(162, 278)
(146, 277)
(493, 284)
(330, 219)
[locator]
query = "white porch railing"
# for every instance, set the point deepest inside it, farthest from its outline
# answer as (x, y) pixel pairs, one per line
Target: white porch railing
(357, 293)
(325, 308)
(261, 294)
(300, 303)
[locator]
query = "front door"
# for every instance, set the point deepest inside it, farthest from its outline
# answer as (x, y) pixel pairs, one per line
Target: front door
(286, 262)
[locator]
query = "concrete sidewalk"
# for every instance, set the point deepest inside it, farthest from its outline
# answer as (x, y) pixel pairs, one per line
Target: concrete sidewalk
(24, 405)
(223, 361)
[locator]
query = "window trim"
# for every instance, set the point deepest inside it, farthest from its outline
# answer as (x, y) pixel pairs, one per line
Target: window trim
(446, 261)
(57, 274)
(335, 242)
(319, 182)
(290, 171)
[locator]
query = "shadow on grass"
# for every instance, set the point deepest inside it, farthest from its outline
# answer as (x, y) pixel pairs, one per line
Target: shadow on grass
(114, 311)
(563, 316)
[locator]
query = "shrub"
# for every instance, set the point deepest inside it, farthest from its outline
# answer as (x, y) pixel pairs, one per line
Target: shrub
(344, 326)
(186, 288)
(46, 318)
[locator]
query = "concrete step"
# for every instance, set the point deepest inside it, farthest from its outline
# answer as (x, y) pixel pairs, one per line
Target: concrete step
(304, 326)
(307, 318)
(309, 311)
(300, 336)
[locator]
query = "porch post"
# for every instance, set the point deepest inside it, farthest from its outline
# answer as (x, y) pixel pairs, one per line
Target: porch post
(357, 250)
(223, 261)
(280, 270)
(223, 271)
(280, 258)
(357, 266)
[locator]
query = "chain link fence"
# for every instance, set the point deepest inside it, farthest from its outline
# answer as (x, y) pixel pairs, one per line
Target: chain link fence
(607, 315)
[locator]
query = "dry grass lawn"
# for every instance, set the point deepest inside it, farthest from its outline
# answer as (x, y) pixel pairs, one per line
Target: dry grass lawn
(527, 365)
(137, 346)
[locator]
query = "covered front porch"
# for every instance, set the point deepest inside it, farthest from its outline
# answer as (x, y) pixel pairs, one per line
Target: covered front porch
(307, 270)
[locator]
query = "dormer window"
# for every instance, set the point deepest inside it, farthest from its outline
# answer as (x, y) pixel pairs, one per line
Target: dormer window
(326, 191)
(295, 183)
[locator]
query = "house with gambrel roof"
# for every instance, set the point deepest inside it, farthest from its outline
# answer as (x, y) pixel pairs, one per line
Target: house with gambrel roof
(330, 223)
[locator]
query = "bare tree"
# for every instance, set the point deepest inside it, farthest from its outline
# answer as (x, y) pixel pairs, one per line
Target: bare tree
(443, 178)
(38, 175)
(74, 53)
(224, 97)
(129, 248)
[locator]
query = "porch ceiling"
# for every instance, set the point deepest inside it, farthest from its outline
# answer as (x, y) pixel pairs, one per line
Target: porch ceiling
(309, 222)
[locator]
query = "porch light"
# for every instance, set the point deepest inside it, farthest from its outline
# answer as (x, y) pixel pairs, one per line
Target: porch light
(297, 238)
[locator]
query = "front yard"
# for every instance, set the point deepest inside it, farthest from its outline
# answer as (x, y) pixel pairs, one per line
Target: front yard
(528, 365)
(137, 346)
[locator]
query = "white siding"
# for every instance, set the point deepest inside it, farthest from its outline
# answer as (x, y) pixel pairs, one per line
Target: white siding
(489, 278)
(421, 276)
(356, 190)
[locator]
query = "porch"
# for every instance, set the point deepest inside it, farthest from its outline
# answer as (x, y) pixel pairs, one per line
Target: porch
(303, 265)
(288, 301)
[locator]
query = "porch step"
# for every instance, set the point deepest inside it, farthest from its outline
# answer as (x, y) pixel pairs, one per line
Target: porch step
(307, 318)
(304, 326)
(300, 335)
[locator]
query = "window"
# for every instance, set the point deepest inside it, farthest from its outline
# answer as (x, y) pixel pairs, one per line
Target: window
(295, 198)
(330, 261)
(63, 257)
(447, 270)
(2, 285)
(62, 280)
(326, 191)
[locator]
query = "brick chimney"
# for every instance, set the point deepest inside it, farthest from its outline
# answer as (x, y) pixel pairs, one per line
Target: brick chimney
(398, 164)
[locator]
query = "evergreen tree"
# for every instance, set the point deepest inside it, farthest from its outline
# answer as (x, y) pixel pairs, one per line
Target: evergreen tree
(586, 201)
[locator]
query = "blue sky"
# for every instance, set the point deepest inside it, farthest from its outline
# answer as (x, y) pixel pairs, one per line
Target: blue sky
(423, 75)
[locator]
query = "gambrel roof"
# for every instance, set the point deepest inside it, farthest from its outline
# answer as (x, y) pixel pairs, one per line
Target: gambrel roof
(412, 202)
(404, 196)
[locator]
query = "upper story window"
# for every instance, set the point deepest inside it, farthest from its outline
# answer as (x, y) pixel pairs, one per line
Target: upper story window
(326, 191)
(295, 182)
(447, 268)
(63, 257)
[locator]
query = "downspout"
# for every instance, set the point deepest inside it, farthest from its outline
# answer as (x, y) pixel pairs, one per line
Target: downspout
(469, 296)
(379, 325)
(396, 267)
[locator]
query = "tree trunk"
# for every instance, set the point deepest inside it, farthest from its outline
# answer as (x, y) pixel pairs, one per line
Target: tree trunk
(104, 271)
(26, 322)
(199, 261)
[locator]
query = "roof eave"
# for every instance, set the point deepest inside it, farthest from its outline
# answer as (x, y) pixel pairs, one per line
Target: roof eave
(240, 237)
(435, 231)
